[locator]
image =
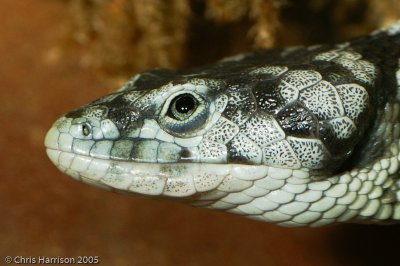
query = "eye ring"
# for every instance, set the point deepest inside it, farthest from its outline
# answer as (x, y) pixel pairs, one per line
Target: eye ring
(182, 106)
(184, 113)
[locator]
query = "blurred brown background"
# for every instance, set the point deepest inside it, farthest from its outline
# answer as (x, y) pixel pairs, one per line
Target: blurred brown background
(56, 55)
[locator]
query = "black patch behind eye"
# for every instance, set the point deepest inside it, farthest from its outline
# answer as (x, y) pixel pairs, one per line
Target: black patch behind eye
(241, 105)
(296, 120)
(268, 96)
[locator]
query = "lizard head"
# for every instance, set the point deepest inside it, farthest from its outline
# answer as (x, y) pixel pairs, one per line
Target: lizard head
(149, 130)
(240, 135)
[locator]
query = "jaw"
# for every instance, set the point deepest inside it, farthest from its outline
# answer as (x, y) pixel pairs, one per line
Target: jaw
(198, 183)
(177, 180)
(266, 193)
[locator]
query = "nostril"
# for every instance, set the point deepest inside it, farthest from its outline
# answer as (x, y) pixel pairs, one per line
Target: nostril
(86, 129)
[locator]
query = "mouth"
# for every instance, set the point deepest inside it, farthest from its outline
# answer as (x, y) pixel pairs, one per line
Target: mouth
(170, 180)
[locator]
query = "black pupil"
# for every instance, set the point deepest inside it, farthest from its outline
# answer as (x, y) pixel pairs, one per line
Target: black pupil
(185, 104)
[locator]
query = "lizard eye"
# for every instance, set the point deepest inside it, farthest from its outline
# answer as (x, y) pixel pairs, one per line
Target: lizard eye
(184, 112)
(182, 107)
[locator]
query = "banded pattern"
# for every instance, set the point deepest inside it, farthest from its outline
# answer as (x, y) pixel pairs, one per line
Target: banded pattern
(299, 136)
